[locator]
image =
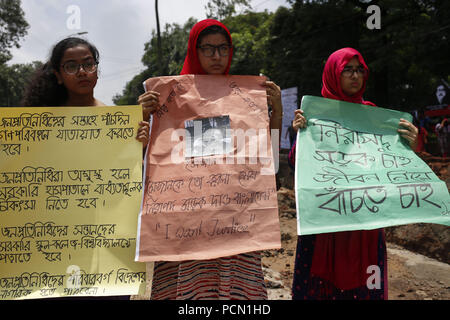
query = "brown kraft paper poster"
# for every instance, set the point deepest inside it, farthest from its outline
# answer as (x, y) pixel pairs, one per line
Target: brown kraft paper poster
(209, 171)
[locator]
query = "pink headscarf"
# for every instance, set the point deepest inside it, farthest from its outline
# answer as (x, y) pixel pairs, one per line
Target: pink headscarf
(343, 257)
(191, 63)
(331, 84)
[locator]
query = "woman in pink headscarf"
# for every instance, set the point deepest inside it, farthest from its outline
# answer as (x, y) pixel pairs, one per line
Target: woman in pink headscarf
(334, 266)
(237, 277)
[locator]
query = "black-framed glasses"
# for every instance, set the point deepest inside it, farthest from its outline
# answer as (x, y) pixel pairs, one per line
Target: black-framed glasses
(72, 67)
(348, 71)
(209, 50)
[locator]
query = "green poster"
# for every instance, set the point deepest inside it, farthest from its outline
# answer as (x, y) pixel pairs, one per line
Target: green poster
(353, 171)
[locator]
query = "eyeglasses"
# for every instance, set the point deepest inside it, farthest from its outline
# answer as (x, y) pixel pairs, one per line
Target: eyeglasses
(210, 50)
(71, 67)
(348, 71)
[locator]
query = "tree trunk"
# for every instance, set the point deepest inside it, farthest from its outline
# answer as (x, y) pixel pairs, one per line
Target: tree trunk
(160, 67)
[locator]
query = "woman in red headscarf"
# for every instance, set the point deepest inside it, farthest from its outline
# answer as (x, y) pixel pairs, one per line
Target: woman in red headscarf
(335, 265)
(240, 276)
(210, 50)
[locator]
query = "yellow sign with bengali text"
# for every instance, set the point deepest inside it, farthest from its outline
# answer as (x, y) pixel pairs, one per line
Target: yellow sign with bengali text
(70, 195)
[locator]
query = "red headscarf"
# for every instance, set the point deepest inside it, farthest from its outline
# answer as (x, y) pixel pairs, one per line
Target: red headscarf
(331, 84)
(191, 63)
(343, 257)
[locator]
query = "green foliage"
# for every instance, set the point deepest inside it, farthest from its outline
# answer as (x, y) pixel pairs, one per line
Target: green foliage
(222, 9)
(250, 34)
(12, 27)
(133, 90)
(303, 37)
(174, 41)
(13, 80)
(407, 57)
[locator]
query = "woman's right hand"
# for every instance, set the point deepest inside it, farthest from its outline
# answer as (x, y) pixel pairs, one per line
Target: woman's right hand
(149, 102)
(299, 121)
(143, 133)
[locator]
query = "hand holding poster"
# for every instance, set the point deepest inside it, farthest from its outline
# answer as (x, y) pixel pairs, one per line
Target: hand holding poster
(209, 183)
(353, 171)
(70, 189)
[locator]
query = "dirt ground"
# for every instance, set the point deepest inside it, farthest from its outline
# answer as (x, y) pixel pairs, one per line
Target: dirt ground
(411, 276)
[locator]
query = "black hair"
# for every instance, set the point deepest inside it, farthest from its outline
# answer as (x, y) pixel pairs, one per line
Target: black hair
(44, 89)
(214, 29)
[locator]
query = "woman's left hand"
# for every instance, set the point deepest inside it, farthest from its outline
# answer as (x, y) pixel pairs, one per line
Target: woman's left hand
(143, 133)
(409, 132)
(274, 98)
